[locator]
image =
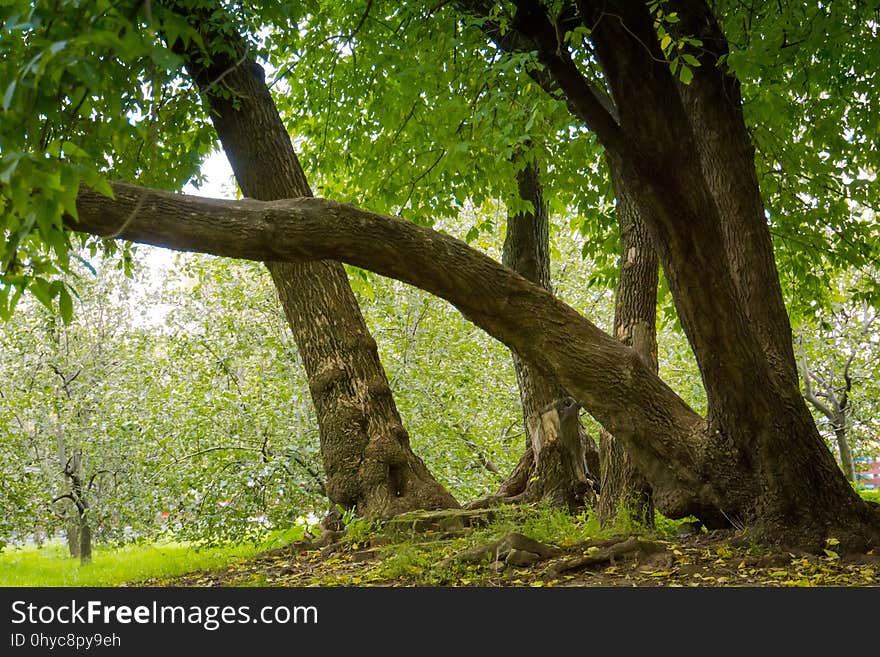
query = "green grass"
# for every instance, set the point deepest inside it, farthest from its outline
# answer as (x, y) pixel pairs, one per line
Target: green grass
(50, 565)
(111, 566)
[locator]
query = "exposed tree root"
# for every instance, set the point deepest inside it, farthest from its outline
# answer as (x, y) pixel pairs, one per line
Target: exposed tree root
(607, 552)
(513, 548)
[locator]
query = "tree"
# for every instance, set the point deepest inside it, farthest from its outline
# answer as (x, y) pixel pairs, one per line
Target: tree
(365, 448)
(829, 377)
(625, 490)
(667, 110)
(560, 463)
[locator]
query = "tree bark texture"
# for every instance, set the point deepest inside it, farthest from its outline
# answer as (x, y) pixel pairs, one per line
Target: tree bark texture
(625, 493)
(527, 251)
(685, 148)
(757, 459)
(691, 471)
(365, 448)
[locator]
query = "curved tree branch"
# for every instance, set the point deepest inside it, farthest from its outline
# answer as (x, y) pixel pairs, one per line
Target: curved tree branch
(607, 378)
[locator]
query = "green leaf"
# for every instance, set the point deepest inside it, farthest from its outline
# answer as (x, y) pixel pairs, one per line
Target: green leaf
(685, 75)
(42, 290)
(7, 97)
(65, 305)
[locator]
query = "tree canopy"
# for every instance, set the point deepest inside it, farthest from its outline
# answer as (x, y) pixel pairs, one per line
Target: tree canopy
(742, 134)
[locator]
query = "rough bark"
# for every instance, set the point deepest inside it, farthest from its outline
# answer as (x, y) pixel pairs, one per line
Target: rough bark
(625, 493)
(607, 378)
(713, 104)
(755, 409)
(557, 449)
(563, 478)
(526, 251)
(364, 446)
(690, 467)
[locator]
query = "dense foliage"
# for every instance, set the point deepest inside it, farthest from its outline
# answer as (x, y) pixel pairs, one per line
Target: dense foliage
(179, 389)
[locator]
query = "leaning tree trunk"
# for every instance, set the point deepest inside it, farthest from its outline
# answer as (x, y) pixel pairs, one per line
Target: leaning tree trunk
(564, 470)
(694, 469)
(365, 448)
(625, 493)
(685, 148)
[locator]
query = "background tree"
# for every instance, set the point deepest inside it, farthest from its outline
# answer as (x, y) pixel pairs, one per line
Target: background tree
(837, 360)
(655, 87)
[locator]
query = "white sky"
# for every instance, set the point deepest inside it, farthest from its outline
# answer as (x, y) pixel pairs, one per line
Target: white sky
(219, 182)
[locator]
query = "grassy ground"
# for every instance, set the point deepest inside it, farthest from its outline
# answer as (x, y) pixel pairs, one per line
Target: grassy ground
(371, 554)
(429, 550)
(51, 565)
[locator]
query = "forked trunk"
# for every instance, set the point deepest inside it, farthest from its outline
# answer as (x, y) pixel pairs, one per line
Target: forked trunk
(713, 242)
(364, 446)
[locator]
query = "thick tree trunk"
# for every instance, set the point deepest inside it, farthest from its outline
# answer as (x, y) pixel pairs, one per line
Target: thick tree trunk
(364, 446)
(558, 476)
(713, 105)
(696, 222)
(625, 493)
(692, 466)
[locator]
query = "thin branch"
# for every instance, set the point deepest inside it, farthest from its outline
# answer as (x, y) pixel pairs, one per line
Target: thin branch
(94, 476)
(533, 31)
(321, 488)
(73, 498)
(207, 450)
(809, 394)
